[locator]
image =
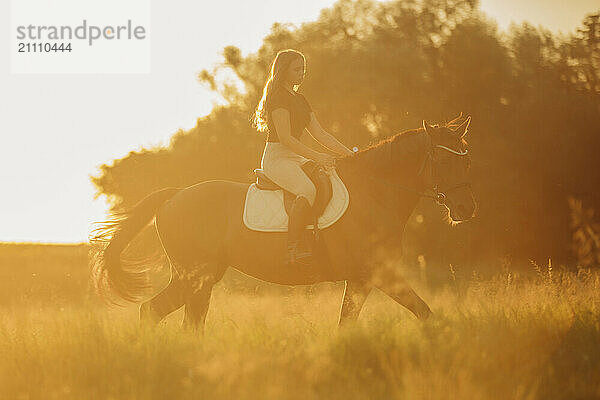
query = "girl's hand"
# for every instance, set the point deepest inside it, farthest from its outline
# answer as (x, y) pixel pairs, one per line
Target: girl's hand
(327, 161)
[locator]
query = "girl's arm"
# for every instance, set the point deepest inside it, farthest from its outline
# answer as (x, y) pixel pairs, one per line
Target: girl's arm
(281, 119)
(325, 138)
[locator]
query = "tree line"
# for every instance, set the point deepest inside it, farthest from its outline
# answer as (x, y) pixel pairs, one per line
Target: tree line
(375, 69)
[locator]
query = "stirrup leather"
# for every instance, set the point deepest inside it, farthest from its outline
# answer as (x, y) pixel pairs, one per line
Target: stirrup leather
(296, 255)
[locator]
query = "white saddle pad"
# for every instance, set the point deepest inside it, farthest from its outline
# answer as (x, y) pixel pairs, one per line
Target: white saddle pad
(264, 210)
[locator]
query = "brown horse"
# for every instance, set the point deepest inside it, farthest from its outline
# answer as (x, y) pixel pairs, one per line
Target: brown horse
(202, 231)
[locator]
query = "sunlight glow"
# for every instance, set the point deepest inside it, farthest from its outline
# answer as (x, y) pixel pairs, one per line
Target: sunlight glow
(57, 132)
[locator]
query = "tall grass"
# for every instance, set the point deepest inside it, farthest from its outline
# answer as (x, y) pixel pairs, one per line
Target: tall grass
(509, 337)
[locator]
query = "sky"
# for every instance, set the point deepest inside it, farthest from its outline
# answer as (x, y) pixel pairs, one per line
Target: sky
(56, 130)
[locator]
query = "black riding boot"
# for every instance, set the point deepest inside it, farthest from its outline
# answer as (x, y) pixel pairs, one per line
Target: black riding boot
(298, 251)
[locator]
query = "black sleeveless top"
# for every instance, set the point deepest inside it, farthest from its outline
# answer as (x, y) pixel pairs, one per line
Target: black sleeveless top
(296, 105)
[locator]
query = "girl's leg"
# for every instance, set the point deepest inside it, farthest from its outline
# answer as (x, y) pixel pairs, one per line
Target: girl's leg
(283, 167)
(289, 175)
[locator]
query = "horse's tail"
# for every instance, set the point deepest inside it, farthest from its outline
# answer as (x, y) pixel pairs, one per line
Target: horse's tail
(111, 237)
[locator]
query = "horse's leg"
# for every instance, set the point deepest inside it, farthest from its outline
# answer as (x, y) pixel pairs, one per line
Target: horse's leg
(404, 295)
(355, 294)
(196, 307)
(168, 300)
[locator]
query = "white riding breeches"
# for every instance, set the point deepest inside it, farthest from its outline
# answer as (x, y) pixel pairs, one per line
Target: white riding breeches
(283, 166)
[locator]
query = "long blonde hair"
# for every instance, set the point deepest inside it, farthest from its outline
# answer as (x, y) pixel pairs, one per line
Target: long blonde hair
(279, 68)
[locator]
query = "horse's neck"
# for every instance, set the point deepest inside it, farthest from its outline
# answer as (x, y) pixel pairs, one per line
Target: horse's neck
(369, 175)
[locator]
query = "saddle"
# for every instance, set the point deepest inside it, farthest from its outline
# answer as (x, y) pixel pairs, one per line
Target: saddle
(267, 205)
(318, 177)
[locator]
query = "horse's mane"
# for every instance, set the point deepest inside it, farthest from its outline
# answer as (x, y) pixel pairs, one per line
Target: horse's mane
(374, 156)
(390, 139)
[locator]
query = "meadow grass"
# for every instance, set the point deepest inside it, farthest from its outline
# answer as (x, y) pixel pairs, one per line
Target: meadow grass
(508, 337)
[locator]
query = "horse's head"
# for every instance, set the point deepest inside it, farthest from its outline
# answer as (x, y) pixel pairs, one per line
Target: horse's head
(450, 164)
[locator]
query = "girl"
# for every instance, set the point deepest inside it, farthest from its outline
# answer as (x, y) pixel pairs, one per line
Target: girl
(285, 114)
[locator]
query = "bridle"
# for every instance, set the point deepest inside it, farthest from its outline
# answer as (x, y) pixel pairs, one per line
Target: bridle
(438, 195)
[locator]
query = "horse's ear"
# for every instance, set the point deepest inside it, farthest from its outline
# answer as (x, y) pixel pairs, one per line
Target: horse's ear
(463, 128)
(428, 128)
(455, 120)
